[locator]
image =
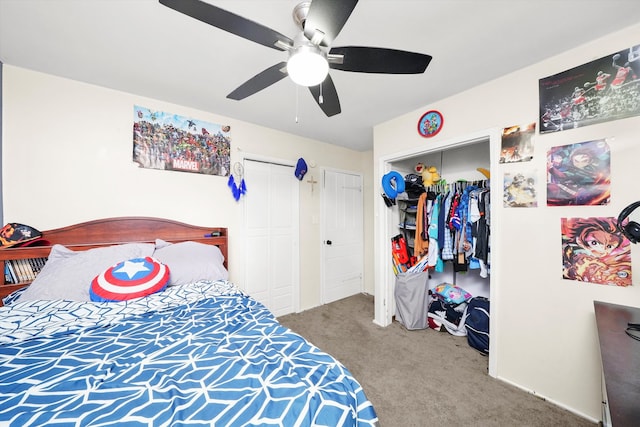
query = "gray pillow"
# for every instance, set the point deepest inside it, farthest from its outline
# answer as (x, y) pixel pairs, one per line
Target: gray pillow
(68, 274)
(191, 261)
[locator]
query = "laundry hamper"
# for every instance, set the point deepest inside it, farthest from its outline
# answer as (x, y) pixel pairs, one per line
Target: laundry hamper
(412, 299)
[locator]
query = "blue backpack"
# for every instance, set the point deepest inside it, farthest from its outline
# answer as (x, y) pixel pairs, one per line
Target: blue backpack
(477, 324)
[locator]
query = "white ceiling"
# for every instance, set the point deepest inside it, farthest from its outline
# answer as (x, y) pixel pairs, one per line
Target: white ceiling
(145, 48)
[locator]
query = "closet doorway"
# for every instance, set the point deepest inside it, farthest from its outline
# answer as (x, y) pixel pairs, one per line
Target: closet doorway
(488, 142)
(271, 229)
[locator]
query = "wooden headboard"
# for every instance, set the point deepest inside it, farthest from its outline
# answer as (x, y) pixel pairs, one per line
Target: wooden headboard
(114, 231)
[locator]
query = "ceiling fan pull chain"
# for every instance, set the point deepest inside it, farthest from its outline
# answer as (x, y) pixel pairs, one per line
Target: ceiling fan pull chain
(320, 98)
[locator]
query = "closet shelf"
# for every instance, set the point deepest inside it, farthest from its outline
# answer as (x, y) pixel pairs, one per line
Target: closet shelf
(408, 209)
(407, 226)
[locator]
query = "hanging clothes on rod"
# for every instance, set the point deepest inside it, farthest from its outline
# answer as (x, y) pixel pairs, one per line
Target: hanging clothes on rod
(479, 211)
(454, 219)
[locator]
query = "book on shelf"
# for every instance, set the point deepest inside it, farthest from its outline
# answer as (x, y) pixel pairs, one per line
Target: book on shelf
(10, 275)
(23, 270)
(22, 273)
(36, 265)
(27, 269)
(17, 267)
(30, 269)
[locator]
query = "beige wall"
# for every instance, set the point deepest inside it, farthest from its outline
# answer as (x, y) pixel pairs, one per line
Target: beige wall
(67, 157)
(545, 334)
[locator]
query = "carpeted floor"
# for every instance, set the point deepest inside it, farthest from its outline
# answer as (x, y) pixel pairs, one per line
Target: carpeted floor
(421, 378)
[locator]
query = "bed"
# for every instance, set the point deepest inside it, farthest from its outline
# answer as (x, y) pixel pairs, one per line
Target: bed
(198, 351)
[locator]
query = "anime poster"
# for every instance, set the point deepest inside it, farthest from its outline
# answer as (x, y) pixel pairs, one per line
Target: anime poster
(579, 174)
(171, 142)
(517, 143)
(520, 190)
(594, 251)
(602, 90)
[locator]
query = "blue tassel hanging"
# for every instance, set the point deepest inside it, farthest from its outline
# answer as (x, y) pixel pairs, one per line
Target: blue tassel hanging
(235, 190)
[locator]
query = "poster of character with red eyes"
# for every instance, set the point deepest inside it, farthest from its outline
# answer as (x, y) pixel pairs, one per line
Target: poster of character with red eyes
(579, 174)
(594, 251)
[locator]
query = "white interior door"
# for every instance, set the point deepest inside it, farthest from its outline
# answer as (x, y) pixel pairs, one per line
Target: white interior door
(271, 230)
(343, 239)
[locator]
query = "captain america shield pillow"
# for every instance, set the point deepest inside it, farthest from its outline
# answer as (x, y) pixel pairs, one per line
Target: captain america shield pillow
(134, 278)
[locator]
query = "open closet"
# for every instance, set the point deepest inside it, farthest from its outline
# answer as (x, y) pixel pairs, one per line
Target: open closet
(456, 160)
(458, 169)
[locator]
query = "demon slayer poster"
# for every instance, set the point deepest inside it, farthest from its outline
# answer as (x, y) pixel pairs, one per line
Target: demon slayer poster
(579, 174)
(594, 251)
(172, 142)
(599, 91)
(517, 143)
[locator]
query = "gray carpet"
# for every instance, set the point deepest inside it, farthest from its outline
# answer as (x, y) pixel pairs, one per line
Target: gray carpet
(421, 378)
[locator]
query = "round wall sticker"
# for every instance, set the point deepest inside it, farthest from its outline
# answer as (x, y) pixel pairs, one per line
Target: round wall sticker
(430, 123)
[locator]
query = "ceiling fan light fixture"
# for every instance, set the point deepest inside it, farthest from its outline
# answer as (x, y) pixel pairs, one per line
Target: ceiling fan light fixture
(307, 65)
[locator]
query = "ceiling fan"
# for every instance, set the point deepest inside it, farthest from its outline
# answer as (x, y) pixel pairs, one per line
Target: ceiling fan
(310, 52)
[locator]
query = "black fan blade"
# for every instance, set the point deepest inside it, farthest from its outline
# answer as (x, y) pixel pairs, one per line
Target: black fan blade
(379, 60)
(228, 21)
(329, 102)
(260, 81)
(328, 16)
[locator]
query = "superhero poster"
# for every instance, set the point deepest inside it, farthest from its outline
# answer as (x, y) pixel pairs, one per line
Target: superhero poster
(579, 174)
(594, 251)
(599, 91)
(172, 142)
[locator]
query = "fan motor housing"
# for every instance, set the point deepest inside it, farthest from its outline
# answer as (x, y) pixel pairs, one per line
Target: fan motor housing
(300, 13)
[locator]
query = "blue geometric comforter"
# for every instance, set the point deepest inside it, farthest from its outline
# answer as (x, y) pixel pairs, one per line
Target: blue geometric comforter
(203, 354)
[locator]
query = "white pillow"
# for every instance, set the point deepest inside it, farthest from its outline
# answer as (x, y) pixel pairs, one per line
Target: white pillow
(191, 261)
(68, 274)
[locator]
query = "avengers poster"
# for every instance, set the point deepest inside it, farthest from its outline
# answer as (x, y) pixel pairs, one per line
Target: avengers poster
(599, 91)
(579, 174)
(594, 251)
(172, 142)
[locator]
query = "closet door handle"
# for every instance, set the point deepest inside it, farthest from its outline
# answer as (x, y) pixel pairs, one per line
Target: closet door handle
(328, 242)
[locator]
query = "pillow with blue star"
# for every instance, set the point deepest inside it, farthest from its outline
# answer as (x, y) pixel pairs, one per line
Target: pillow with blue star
(133, 278)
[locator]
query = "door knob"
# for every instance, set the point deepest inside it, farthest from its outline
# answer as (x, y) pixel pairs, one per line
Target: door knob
(328, 242)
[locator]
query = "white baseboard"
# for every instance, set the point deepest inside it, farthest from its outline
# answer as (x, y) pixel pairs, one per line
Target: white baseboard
(558, 404)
